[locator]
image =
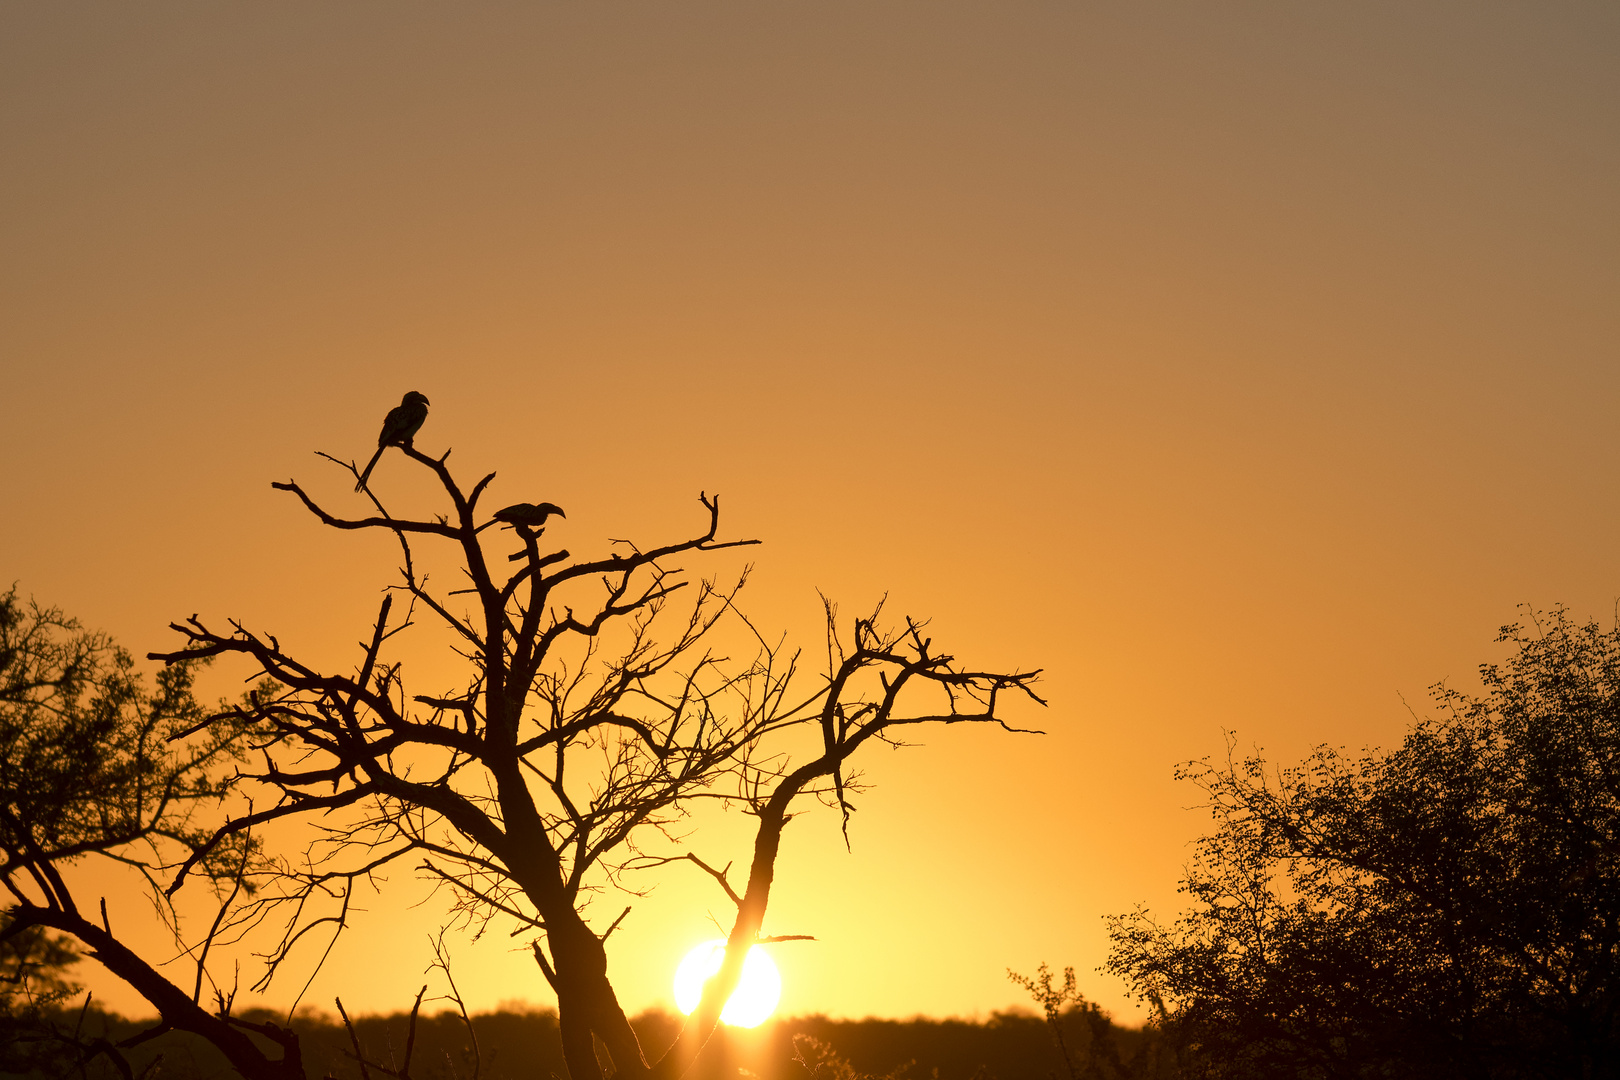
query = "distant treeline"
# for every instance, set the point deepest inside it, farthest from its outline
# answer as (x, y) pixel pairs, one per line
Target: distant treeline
(509, 1045)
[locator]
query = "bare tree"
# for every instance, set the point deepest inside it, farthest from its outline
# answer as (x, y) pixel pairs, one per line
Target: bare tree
(595, 712)
(94, 765)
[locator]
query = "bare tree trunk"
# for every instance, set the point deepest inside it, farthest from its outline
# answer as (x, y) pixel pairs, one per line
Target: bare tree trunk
(176, 1009)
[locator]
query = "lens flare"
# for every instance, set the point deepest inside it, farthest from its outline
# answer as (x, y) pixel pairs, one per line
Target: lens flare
(757, 993)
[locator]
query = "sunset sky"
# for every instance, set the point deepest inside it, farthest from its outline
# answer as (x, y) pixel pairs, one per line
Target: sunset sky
(1243, 365)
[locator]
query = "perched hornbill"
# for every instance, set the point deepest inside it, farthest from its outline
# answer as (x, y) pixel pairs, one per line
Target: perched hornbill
(399, 428)
(528, 515)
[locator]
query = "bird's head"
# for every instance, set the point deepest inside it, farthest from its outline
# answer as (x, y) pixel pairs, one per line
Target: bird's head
(415, 398)
(545, 510)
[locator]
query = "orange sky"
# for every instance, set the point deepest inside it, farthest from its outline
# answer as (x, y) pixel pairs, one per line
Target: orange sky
(1243, 365)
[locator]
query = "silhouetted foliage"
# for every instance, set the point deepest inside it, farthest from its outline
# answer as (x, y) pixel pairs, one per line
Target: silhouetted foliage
(34, 986)
(592, 713)
(1087, 1040)
(527, 1044)
(1451, 908)
(94, 765)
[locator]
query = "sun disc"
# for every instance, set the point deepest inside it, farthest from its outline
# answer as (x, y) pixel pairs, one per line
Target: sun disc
(757, 993)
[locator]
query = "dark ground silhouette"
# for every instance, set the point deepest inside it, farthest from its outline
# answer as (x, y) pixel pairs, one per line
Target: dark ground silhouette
(513, 1044)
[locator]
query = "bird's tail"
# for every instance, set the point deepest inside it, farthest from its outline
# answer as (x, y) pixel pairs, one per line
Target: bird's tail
(372, 464)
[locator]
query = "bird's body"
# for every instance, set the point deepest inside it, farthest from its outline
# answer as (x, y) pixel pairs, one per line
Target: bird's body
(528, 515)
(399, 428)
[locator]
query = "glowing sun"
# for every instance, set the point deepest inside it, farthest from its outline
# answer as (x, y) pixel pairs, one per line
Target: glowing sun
(757, 993)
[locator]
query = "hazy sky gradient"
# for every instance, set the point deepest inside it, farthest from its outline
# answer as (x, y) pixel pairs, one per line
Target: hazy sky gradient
(1242, 365)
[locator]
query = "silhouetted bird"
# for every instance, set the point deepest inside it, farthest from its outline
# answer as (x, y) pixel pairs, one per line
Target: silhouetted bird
(399, 428)
(528, 515)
